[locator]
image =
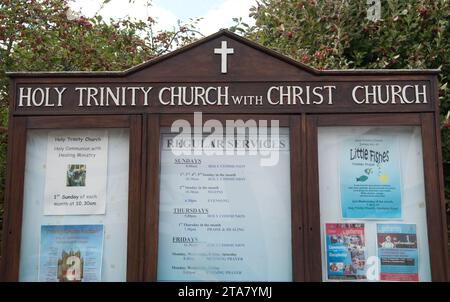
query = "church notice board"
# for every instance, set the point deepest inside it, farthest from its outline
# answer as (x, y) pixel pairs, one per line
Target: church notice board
(224, 161)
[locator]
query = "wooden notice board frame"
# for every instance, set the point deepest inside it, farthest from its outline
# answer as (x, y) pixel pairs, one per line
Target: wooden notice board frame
(11, 251)
(143, 103)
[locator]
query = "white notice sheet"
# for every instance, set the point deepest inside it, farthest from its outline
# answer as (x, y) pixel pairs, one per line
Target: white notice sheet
(76, 169)
(224, 217)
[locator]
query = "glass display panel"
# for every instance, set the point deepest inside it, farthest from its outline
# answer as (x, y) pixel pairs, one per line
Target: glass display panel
(224, 217)
(75, 206)
(372, 204)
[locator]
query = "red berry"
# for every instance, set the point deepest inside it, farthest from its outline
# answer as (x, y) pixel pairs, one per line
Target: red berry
(318, 54)
(423, 11)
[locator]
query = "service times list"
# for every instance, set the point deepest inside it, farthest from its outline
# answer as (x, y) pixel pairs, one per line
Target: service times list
(223, 217)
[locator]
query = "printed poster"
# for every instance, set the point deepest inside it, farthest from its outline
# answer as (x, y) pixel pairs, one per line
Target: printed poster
(71, 253)
(398, 252)
(345, 251)
(206, 230)
(370, 178)
(76, 171)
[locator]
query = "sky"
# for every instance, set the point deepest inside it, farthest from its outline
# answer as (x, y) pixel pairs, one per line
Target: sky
(215, 14)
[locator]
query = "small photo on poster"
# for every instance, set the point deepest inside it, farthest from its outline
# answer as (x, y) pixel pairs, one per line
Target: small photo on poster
(398, 252)
(76, 175)
(345, 251)
(370, 178)
(71, 253)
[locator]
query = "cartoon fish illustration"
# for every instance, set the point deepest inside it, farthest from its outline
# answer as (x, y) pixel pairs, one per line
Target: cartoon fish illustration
(362, 178)
(368, 171)
(383, 178)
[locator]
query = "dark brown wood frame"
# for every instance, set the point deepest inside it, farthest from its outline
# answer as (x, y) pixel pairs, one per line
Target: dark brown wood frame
(156, 122)
(435, 211)
(15, 185)
(144, 184)
(254, 68)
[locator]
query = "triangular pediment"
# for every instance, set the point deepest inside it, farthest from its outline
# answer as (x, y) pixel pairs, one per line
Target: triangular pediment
(202, 61)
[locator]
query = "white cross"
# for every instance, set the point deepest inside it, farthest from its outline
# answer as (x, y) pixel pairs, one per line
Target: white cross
(223, 51)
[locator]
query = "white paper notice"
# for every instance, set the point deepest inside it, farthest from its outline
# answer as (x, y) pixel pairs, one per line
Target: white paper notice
(75, 182)
(224, 217)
